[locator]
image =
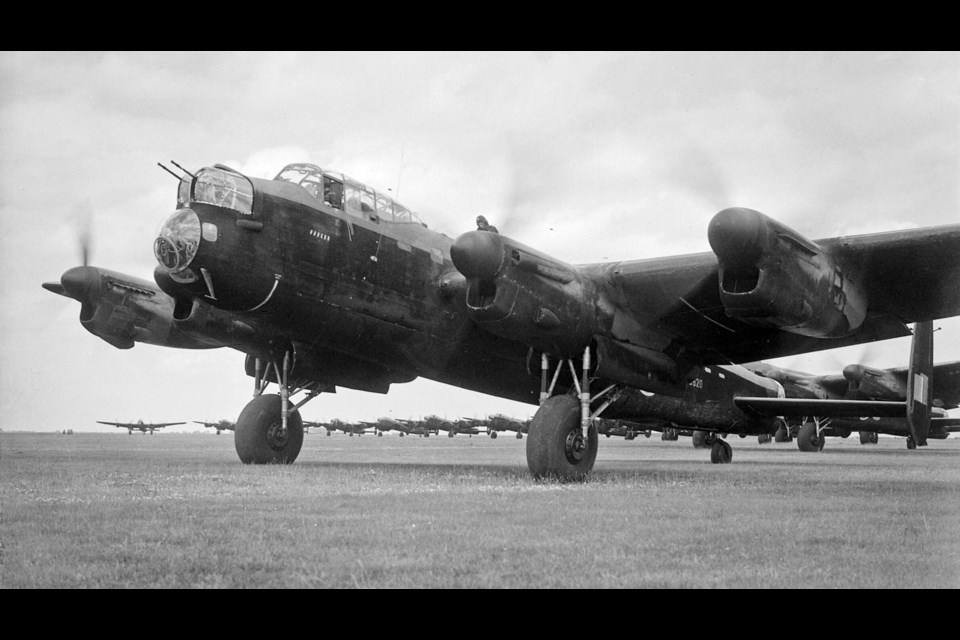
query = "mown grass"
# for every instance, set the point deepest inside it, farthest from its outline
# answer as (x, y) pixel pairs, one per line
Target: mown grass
(180, 511)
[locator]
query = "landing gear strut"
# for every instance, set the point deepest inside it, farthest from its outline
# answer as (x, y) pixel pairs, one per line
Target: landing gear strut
(269, 430)
(562, 439)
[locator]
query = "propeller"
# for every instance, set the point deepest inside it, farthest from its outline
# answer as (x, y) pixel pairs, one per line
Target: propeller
(78, 282)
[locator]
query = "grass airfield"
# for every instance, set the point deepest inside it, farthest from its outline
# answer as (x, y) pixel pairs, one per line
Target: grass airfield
(111, 510)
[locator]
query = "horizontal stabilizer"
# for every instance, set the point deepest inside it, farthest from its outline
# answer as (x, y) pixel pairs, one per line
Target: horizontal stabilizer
(800, 407)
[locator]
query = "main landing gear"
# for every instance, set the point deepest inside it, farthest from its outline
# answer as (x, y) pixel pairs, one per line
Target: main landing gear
(562, 439)
(269, 430)
(810, 437)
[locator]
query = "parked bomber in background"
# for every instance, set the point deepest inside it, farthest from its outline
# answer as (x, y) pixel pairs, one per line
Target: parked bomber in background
(349, 428)
(499, 422)
(323, 281)
(220, 425)
(436, 424)
(140, 425)
(867, 400)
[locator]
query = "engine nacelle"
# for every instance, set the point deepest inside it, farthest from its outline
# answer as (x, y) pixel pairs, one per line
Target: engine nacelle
(123, 310)
(521, 294)
(771, 276)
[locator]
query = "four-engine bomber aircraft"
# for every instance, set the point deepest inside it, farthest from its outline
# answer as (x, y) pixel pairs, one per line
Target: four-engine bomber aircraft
(140, 425)
(323, 281)
(220, 425)
(905, 401)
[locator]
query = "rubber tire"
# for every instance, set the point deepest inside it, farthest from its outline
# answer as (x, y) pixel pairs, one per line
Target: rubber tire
(547, 441)
(721, 452)
(866, 437)
(251, 437)
(782, 435)
(699, 439)
(807, 439)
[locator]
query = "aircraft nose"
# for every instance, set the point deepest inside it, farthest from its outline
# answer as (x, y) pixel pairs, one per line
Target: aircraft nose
(477, 254)
(78, 282)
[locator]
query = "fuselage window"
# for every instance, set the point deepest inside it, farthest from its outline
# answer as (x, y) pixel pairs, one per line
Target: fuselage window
(401, 213)
(360, 199)
(385, 208)
(224, 189)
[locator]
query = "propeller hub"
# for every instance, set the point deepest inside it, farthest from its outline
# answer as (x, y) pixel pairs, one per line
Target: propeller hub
(478, 254)
(853, 373)
(736, 235)
(79, 282)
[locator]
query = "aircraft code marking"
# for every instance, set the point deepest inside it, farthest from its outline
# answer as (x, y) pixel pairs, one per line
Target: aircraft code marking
(920, 388)
(320, 235)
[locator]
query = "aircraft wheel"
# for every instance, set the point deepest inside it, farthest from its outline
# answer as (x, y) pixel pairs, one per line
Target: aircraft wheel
(699, 439)
(259, 436)
(911, 443)
(808, 440)
(865, 437)
(556, 446)
(519, 436)
(721, 452)
(763, 438)
(782, 435)
(493, 435)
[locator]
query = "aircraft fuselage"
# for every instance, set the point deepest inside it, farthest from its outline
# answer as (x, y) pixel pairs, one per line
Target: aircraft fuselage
(364, 301)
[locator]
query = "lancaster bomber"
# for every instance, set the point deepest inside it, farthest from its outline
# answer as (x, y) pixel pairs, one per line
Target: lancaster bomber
(140, 425)
(324, 282)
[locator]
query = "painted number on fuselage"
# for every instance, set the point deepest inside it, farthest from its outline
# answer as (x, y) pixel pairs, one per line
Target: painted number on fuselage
(319, 235)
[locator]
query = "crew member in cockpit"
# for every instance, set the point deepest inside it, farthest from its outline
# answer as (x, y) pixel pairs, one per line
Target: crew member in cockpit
(332, 193)
(483, 225)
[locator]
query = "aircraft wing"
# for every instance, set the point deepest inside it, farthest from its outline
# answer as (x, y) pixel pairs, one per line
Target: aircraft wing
(904, 276)
(125, 425)
(161, 424)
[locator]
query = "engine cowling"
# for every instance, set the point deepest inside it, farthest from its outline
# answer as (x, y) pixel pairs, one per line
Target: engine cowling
(771, 276)
(123, 310)
(521, 294)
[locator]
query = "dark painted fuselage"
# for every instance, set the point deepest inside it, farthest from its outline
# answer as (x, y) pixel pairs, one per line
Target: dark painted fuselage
(364, 301)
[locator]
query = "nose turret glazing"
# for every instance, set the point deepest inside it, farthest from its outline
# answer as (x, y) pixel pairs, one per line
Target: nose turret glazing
(178, 240)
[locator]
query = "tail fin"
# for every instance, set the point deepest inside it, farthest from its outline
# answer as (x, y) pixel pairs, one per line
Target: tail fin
(919, 380)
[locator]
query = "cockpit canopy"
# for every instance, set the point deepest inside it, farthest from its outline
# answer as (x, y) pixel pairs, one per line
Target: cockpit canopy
(342, 192)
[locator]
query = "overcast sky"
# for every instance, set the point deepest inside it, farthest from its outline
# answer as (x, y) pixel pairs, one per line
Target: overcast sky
(587, 156)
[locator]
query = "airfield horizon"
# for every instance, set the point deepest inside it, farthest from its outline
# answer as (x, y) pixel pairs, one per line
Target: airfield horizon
(174, 510)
